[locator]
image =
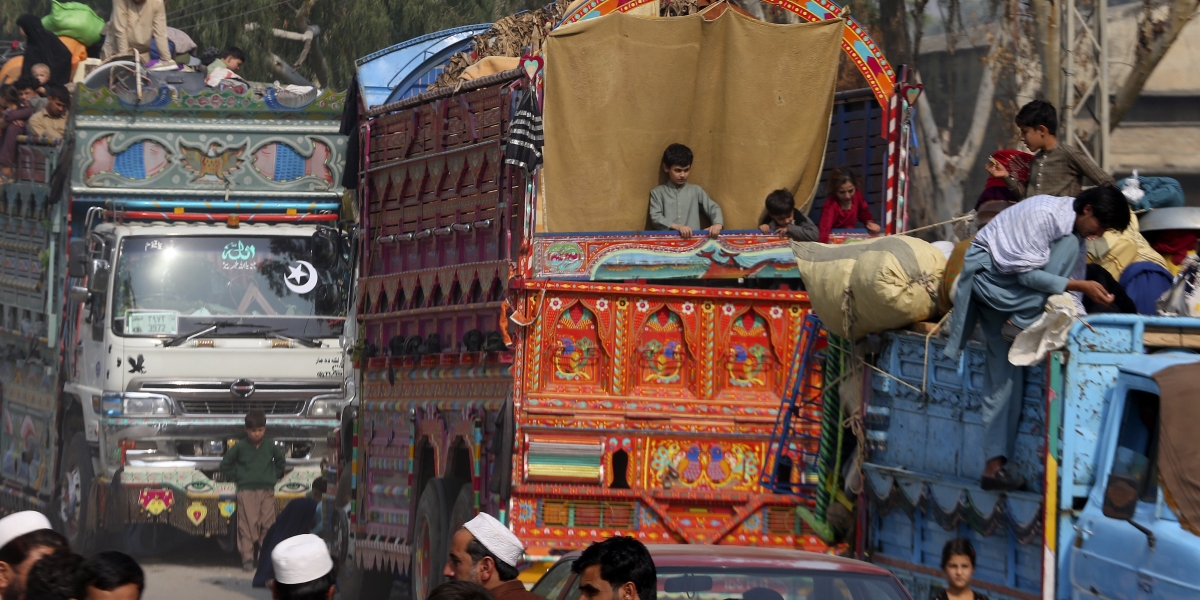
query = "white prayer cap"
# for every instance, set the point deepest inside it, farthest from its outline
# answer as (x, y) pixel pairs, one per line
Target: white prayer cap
(496, 538)
(301, 559)
(18, 524)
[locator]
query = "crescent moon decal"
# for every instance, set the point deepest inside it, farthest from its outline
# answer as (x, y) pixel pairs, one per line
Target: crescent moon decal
(301, 279)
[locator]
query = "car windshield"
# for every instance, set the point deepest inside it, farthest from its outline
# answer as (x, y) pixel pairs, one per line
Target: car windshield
(723, 583)
(173, 284)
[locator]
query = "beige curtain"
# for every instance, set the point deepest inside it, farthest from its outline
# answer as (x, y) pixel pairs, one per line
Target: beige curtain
(751, 99)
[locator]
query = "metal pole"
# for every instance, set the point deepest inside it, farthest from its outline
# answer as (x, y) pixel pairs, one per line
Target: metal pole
(1067, 93)
(1102, 98)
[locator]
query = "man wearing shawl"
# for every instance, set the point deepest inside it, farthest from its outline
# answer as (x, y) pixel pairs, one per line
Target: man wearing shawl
(135, 25)
(43, 47)
(1024, 255)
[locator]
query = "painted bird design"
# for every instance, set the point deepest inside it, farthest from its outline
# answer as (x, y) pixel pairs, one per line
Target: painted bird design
(689, 466)
(717, 470)
(137, 365)
(211, 165)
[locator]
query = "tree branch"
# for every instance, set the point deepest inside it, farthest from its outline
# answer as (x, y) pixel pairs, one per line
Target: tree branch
(1180, 14)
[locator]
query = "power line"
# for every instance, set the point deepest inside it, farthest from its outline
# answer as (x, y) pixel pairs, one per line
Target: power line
(234, 16)
(201, 10)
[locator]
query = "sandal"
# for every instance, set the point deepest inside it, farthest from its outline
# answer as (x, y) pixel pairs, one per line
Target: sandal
(1002, 481)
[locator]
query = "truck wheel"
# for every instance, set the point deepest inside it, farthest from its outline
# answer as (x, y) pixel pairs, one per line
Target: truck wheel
(462, 511)
(430, 544)
(75, 493)
(357, 583)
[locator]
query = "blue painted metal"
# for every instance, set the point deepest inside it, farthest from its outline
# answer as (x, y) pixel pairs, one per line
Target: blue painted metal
(795, 419)
(169, 204)
(924, 458)
(398, 70)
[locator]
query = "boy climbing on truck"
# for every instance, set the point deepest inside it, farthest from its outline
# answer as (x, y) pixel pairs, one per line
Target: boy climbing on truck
(676, 204)
(782, 218)
(1058, 168)
(255, 464)
(1024, 255)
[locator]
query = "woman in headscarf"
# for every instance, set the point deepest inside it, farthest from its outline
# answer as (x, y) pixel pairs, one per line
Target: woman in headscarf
(43, 47)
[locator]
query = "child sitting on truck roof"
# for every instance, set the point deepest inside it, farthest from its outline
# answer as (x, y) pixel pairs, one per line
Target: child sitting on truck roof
(1057, 168)
(782, 218)
(1025, 254)
(845, 206)
(676, 204)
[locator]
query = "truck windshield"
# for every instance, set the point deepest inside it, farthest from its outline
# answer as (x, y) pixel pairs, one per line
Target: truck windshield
(171, 285)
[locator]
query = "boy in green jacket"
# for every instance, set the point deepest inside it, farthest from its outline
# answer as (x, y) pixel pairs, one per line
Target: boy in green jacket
(255, 464)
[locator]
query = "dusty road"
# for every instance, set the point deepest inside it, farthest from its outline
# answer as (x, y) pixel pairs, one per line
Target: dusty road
(197, 571)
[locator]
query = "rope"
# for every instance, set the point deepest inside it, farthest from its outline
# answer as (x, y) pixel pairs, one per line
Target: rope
(537, 309)
(966, 217)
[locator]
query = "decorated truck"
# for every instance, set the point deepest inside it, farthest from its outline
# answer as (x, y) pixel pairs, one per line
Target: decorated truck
(1098, 519)
(172, 266)
(528, 349)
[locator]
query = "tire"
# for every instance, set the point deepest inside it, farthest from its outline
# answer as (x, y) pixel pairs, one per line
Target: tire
(462, 511)
(75, 494)
(357, 583)
(430, 542)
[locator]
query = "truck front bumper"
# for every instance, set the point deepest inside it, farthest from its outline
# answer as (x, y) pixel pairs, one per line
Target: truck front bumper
(155, 483)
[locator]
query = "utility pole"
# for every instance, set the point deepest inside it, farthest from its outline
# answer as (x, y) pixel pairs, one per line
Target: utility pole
(1084, 97)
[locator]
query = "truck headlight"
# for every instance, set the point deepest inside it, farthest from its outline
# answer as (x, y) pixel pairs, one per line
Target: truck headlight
(327, 408)
(214, 447)
(135, 403)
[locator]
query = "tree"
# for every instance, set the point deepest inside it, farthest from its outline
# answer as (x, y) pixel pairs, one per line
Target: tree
(949, 169)
(347, 31)
(1154, 39)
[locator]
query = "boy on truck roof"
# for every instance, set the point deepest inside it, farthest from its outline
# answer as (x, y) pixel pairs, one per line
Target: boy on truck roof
(676, 204)
(1025, 254)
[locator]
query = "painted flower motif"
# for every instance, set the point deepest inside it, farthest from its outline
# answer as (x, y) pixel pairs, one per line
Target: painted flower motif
(555, 303)
(642, 306)
(727, 309)
(776, 312)
(602, 304)
(688, 308)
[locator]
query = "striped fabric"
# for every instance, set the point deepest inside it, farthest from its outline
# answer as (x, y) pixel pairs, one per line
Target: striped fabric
(524, 148)
(564, 460)
(1019, 238)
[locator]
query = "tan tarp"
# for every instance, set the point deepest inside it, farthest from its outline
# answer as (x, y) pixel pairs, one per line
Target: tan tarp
(1178, 453)
(752, 100)
(872, 286)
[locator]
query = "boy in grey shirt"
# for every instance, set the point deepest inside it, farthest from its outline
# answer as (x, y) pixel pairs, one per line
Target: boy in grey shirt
(676, 204)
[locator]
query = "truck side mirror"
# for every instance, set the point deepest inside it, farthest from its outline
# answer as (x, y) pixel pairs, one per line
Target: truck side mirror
(1120, 497)
(77, 259)
(325, 250)
(328, 299)
(98, 276)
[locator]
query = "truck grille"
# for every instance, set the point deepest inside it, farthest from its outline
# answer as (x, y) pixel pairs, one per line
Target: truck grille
(238, 407)
(215, 398)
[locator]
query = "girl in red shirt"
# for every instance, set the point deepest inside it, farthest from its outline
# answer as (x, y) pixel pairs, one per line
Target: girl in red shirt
(845, 206)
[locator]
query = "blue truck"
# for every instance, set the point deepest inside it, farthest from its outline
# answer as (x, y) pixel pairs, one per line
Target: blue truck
(1090, 411)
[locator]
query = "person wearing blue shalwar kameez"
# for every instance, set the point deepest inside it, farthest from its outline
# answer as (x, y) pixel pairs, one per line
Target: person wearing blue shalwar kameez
(1027, 253)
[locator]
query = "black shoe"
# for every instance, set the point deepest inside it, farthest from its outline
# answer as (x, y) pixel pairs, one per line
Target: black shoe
(1002, 481)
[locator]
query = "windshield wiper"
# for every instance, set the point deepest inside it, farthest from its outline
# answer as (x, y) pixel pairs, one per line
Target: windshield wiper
(304, 341)
(209, 328)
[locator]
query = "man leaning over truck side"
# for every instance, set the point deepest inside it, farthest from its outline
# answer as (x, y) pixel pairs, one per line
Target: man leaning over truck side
(255, 464)
(1024, 255)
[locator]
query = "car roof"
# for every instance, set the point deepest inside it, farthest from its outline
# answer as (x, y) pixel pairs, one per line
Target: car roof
(746, 557)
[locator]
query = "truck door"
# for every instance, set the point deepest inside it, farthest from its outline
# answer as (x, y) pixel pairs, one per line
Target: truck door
(1170, 571)
(1107, 553)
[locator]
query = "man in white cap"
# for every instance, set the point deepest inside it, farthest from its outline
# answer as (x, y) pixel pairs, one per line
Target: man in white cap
(25, 537)
(303, 569)
(486, 552)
